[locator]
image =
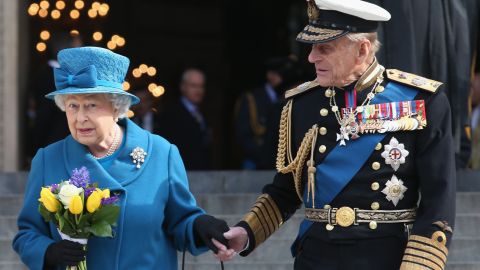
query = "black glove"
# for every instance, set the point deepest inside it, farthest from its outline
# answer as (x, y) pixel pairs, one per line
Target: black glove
(64, 253)
(207, 227)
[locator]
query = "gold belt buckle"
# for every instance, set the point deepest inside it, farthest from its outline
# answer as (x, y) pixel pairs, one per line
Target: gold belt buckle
(345, 216)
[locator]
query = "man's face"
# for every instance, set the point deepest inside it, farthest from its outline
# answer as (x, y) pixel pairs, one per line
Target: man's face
(193, 87)
(334, 61)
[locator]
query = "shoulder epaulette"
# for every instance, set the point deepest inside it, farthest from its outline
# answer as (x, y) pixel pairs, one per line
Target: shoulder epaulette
(300, 89)
(413, 80)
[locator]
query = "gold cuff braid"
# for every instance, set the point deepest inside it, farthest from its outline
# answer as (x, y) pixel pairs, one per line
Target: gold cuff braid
(424, 253)
(294, 166)
(264, 218)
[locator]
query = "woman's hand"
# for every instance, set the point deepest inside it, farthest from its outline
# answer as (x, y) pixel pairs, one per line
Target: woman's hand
(207, 229)
(64, 253)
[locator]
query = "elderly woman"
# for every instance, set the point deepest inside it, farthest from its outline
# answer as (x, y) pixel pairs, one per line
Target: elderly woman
(158, 213)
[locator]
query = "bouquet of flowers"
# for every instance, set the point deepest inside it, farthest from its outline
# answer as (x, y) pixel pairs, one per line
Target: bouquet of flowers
(79, 209)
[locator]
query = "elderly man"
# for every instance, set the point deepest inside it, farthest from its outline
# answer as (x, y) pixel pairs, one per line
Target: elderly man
(366, 150)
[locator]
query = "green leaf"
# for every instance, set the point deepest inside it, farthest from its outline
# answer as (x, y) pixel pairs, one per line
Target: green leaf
(107, 213)
(47, 216)
(101, 229)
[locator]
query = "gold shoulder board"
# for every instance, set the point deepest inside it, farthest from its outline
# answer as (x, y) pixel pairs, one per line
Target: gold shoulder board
(300, 89)
(413, 80)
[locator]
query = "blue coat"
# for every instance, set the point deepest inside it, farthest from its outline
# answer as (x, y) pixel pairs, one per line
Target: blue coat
(157, 208)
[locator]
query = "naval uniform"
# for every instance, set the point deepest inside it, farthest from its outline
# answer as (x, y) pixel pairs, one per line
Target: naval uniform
(382, 198)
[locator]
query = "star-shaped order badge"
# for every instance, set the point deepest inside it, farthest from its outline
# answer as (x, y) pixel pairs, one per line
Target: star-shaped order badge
(394, 190)
(394, 153)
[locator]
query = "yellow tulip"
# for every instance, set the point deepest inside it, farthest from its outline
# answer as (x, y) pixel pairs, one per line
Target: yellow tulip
(76, 205)
(94, 201)
(106, 193)
(49, 200)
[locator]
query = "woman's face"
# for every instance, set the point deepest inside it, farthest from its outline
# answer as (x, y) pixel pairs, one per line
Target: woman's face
(91, 118)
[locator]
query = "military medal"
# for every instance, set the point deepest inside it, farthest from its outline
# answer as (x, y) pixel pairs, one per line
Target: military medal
(394, 153)
(394, 190)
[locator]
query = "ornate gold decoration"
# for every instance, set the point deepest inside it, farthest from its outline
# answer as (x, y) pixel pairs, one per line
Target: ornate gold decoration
(264, 218)
(422, 251)
(360, 215)
(345, 216)
(320, 34)
(413, 80)
(300, 89)
(312, 10)
(294, 166)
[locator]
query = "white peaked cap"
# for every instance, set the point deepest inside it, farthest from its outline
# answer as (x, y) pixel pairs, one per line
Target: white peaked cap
(357, 8)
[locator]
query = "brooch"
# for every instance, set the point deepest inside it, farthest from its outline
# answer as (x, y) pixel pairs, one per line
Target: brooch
(138, 156)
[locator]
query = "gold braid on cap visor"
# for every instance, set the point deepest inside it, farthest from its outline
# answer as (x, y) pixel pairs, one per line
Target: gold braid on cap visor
(316, 33)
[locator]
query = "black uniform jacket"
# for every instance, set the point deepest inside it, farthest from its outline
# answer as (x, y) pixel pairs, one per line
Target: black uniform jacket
(428, 173)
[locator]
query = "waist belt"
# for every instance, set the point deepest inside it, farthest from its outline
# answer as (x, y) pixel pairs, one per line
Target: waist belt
(346, 216)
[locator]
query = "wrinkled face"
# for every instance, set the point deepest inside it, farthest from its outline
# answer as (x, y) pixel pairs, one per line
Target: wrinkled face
(91, 118)
(335, 61)
(193, 87)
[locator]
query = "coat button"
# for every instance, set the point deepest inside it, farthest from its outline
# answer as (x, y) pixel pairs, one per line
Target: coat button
(376, 166)
(329, 227)
(372, 225)
(323, 131)
(379, 89)
(375, 186)
(326, 206)
(322, 149)
(323, 112)
(328, 93)
(378, 147)
(375, 206)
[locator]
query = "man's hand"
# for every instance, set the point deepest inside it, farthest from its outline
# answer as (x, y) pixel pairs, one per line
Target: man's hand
(237, 241)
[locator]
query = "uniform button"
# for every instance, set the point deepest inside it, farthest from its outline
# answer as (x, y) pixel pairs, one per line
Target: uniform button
(329, 227)
(379, 89)
(375, 186)
(323, 130)
(372, 225)
(375, 206)
(328, 93)
(378, 146)
(376, 166)
(322, 149)
(326, 206)
(323, 112)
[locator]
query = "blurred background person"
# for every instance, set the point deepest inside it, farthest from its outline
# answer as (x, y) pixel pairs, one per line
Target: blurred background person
(46, 123)
(145, 113)
(183, 123)
(258, 111)
(475, 123)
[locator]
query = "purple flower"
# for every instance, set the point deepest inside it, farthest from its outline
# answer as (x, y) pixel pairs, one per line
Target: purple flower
(54, 188)
(80, 178)
(110, 200)
(88, 191)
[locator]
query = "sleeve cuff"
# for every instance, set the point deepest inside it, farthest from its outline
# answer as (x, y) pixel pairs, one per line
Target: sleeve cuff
(425, 253)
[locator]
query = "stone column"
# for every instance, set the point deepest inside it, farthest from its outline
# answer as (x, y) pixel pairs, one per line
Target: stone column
(9, 86)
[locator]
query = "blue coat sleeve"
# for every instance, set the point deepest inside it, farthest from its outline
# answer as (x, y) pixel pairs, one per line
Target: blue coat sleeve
(181, 209)
(33, 235)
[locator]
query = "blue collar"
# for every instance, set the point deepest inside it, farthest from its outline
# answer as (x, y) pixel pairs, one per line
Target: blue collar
(122, 171)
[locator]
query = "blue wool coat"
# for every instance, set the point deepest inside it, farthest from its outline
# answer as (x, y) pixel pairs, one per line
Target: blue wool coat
(157, 208)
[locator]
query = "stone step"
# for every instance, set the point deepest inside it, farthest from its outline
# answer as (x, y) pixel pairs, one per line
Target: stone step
(12, 265)
(234, 265)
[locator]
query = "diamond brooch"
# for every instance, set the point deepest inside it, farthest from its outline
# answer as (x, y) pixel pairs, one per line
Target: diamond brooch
(138, 156)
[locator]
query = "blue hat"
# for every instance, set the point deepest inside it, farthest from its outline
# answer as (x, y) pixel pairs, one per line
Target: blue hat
(90, 70)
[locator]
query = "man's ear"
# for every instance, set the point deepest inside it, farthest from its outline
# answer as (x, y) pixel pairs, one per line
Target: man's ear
(363, 51)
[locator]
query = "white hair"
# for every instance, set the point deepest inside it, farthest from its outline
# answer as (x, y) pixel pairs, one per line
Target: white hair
(372, 37)
(121, 103)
